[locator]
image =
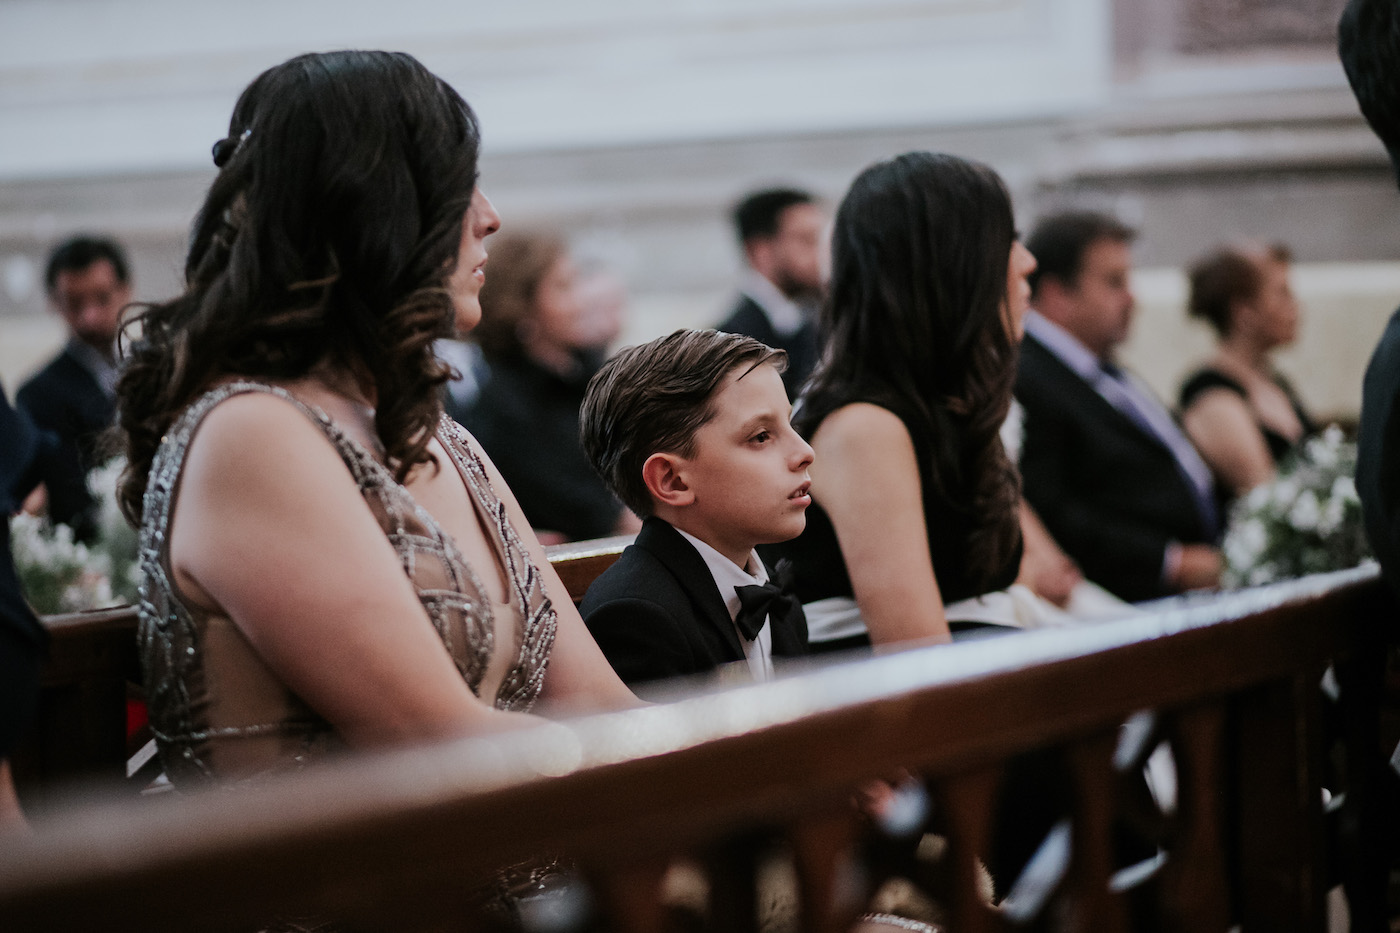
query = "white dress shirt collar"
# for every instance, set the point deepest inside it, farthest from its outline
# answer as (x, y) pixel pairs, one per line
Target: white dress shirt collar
(786, 315)
(727, 576)
(1064, 345)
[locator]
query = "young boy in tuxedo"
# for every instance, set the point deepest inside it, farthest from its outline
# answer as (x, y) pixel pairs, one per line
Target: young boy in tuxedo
(691, 432)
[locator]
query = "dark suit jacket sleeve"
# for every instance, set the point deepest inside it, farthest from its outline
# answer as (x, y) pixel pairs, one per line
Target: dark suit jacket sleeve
(53, 409)
(642, 640)
(21, 637)
(1112, 549)
(1378, 452)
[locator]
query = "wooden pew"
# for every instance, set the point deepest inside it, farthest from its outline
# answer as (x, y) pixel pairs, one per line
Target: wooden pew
(724, 783)
(80, 730)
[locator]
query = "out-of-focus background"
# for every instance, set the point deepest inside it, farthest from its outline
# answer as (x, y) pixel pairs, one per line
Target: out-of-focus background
(635, 124)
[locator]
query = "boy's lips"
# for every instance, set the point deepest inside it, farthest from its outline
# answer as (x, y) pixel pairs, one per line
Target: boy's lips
(802, 491)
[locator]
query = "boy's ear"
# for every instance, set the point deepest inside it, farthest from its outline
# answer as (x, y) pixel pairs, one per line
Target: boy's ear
(664, 480)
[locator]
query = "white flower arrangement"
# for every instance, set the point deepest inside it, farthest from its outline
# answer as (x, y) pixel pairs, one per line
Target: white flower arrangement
(1307, 520)
(59, 574)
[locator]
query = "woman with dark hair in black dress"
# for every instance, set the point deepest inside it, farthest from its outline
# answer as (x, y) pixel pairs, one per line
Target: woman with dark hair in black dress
(915, 503)
(1241, 414)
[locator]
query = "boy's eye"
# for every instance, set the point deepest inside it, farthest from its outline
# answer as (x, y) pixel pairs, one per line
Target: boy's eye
(761, 437)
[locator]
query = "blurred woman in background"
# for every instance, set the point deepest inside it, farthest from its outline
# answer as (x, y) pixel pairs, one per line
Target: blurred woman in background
(542, 343)
(1238, 410)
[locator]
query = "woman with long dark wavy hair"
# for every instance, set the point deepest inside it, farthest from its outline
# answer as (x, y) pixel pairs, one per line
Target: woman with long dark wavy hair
(328, 561)
(915, 514)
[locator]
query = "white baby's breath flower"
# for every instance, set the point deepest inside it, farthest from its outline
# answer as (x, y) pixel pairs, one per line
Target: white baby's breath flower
(60, 574)
(1308, 519)
(1324, 451)
(1283, 491)
(1257, 498)
(1332, 515)
(1260, 575)
(1246, 542)
(1305, 511)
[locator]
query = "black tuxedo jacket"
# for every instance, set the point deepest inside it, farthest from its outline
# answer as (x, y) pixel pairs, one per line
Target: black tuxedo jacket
(26, 457)
(657, 613)
(749, 319)
(1378, 452)
(1109, 492)
(65, 400)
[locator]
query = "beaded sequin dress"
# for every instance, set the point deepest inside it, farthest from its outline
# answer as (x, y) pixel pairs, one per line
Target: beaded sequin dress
(218, 713)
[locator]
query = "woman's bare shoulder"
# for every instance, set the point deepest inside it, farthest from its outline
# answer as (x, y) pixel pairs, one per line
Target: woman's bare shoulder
(252, 427)
(861, 426)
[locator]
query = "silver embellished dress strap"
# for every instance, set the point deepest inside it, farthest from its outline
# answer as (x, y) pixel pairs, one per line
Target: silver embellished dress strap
(168, 634)
(525, 679)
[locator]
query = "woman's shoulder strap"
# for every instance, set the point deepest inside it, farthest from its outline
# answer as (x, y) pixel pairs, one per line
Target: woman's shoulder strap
(1205, 379)
(174, 447)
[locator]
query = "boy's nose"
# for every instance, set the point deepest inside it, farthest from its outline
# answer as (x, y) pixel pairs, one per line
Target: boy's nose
(805, 455)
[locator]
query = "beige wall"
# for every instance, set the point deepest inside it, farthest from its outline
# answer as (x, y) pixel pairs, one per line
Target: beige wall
(1192, 125)
(25, 343)
(1345, 307)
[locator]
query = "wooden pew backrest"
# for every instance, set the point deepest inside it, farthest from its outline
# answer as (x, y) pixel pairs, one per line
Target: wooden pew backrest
(717, 780)
(81, 727)
(580, 562)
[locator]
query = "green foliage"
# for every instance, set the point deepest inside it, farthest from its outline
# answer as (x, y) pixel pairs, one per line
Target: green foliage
(1307, 520)
(59, 574)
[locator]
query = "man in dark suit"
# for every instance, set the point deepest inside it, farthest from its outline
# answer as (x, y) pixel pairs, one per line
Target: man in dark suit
(1105, 465)
(1369, 42)
(1370, 50)
(74, 396)
(27, 457)
(782, 234)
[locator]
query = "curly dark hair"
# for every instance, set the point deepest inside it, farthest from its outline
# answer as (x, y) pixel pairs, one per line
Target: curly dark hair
(326, 238)
(915, 315)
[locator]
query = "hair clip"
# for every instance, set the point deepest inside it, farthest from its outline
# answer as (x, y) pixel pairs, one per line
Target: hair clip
(226, 147)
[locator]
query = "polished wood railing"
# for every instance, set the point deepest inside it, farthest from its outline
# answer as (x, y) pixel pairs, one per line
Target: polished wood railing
(82, 729)
(706, 812)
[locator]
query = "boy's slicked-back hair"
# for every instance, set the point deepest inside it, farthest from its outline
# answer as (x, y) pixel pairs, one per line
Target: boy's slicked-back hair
(652, 399)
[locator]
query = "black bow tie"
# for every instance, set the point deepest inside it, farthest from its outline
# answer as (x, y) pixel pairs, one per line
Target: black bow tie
(758, 602)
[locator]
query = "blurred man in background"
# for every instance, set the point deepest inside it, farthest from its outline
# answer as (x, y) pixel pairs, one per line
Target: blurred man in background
(74, 396)
(782, 231)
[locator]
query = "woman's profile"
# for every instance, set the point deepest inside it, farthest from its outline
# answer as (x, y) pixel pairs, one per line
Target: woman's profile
(1241, 414)
(329, 562)
(915, 515)
(542, 344)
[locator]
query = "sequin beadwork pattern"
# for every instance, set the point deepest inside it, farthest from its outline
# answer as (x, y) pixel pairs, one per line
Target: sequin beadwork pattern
(183, 692)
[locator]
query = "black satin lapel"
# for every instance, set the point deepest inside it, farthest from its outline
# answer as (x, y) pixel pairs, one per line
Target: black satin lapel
(689, 568)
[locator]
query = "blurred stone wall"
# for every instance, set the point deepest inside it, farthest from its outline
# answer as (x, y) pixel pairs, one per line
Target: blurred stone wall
(1194, 120)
